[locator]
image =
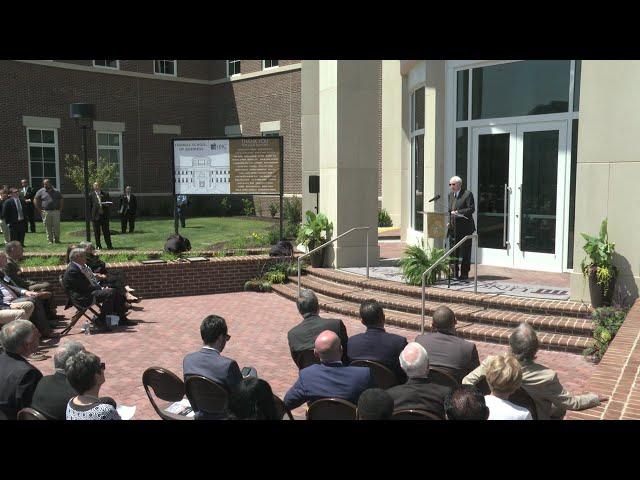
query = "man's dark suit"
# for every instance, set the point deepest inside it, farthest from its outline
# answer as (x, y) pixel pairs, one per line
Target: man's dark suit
(18, 381)
(12, 218)
(28, 194)
(52, 395)
(328, 380)
(303, 336)
(127, 209)
(419, 393)
(100, 217)
(84, 293)
(379, 346)
(460, 227)
(454, 353)
(39, 318)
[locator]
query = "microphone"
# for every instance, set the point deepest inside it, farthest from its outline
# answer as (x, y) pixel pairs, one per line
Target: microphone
(434, 198)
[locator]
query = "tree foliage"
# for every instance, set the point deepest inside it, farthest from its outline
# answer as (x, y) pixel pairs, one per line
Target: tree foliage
(102, 172)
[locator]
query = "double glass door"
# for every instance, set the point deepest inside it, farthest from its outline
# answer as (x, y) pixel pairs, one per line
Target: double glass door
(518, 177)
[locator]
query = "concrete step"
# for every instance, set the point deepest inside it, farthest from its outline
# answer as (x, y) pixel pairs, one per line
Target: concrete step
(468, 330)
(560, 308)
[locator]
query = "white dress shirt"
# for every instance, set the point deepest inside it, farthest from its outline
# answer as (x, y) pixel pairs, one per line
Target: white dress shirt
(500, 409)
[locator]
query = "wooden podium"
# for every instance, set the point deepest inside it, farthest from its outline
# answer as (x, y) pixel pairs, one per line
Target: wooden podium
(436, 224)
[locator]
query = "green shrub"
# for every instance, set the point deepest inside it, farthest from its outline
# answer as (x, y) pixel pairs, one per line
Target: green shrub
(248, 207)
(417, 259)
(273, 209)
(384, 220)
(607, 322)
(292, 210)
(275, 276)
(273, 236)
(291, 230)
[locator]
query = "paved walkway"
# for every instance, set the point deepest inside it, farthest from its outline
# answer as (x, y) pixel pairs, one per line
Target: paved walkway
(168, 329)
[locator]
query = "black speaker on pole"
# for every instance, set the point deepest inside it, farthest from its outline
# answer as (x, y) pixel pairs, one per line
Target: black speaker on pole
(81, 111)
(314, 183)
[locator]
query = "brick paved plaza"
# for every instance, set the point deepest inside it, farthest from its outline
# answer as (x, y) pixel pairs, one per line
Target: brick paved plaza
(168, 329)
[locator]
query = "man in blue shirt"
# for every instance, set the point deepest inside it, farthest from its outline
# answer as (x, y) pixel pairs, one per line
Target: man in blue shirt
(181, 204)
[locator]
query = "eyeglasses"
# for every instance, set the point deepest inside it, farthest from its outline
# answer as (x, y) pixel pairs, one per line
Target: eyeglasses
(227, 337)
(103, 366)
(452, 184)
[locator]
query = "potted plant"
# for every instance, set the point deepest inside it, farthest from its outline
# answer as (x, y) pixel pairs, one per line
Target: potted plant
(417, 259)
(313, 233)
(598, 266)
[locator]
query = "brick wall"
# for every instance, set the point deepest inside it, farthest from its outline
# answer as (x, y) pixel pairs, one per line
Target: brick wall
(217, 275)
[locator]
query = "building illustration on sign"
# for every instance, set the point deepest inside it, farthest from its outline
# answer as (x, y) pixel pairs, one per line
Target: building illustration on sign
(202, 167)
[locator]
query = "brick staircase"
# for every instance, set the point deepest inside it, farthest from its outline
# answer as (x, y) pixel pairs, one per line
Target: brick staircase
(561, 325)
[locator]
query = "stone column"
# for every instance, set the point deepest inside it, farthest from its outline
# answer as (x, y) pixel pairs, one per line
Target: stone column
(309, 129)
(392, 171)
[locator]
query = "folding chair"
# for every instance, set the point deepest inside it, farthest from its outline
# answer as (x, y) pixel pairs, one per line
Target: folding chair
(207, 396)
(167, 386)
(414, 414)
(382, 376)
(80, 310)
(331, 409)
(30, 414)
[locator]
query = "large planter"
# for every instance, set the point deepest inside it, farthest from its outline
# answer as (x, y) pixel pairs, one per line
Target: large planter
(317, 258)
(596, 292)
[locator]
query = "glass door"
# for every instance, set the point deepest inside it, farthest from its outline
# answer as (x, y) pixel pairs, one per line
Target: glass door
(492, 179)
(539, 195)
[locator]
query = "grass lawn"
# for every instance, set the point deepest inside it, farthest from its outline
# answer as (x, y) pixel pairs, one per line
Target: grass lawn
(151, 233)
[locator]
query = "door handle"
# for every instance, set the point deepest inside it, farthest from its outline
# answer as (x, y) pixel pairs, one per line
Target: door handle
(505, 209)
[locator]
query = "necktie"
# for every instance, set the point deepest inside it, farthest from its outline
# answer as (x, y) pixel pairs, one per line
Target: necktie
(19, 207)
(7, 293)
(90, 276)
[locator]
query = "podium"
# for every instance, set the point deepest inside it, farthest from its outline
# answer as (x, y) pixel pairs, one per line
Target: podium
(436, 224)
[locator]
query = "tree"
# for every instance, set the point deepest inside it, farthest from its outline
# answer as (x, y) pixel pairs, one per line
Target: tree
(105, 173)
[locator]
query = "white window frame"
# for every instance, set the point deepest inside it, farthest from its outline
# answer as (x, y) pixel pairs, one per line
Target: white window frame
(55, 145)
(120, 162)
(413, 134)
(229, 64)
(264, 65)
(175, 68)
(117, 67)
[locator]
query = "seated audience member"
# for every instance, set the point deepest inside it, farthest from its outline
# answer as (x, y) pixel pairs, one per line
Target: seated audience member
(84, 289)
(376, 344)
(13, 295)
(541, 383)
(18, 378)
(330, 378)
(14, 311)
(375, 404)
(15, 251)
(455, 354)
(465, 402)
(253, 400)
(86, 375)
(115, 279)
(54, 391)
(504, 377)
(303, 336)
(418, 392)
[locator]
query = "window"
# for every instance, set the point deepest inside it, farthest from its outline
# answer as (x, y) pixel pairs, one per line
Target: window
(273, 133)
(233, 67)
(43, 155)
(269, 64)
(417, 156)
(115, 64)
(110, 151)
(165, 67)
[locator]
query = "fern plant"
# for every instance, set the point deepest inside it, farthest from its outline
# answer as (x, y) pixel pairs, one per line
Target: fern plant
(417, 259)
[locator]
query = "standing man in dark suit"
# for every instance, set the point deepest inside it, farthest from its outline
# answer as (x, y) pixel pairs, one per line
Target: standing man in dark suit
(461, 210)
(14, 214)
(419, 392)
(456, 355)
(331, 378)
(303, 336)
(18, 378)
(376, 344)
(127, 208)
(27, 193)
(100, 214)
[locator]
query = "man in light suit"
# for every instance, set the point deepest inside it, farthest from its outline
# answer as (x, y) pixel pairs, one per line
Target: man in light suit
(329, 379)
(461, 210)
(456, 355)
(541, 383)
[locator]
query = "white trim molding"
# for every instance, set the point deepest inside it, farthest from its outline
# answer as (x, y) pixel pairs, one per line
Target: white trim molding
(113, 127)
(167, 129)
(40, 122)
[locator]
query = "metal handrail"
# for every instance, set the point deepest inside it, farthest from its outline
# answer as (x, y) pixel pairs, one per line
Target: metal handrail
(331, 241)
(473, 236)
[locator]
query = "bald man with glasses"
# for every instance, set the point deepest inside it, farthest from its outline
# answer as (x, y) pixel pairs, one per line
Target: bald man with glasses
(461, 209)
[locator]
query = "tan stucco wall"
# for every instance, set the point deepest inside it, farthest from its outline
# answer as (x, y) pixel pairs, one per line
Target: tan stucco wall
(392, 167)
(309, 111)
(608, 171)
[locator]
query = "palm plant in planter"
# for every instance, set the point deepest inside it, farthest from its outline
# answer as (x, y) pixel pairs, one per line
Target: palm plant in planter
(417, 258)
(314, 232)
(598, 266)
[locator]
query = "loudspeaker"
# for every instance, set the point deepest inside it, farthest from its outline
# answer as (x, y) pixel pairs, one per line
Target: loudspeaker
(81, 111)
(314, 183)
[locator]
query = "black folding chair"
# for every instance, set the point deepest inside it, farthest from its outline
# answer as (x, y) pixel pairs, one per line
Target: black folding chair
(443, 377)
(167, 386)
(207, 396)
(80, 310)
(30, 414)
(382, 376)
(280, 408)
(331, 409)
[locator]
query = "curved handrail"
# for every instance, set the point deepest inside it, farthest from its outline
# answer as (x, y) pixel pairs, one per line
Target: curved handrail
(474, 237)
(331, 241)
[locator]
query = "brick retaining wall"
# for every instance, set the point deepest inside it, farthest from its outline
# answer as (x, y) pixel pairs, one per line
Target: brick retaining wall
(217, 275)
(617, 376)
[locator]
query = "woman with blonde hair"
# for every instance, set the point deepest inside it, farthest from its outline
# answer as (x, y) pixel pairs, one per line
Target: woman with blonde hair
(504, 376)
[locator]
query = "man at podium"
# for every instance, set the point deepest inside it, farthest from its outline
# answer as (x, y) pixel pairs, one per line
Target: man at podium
(461, 210)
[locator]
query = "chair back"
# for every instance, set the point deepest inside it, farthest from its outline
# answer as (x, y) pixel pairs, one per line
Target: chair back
(331, 409)
(205, 395)
(280, 408)
(414, 414)
(382, 376)
(30, 414)
(521, 398)
(442, 377)
(306, 358)
(166, 385)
